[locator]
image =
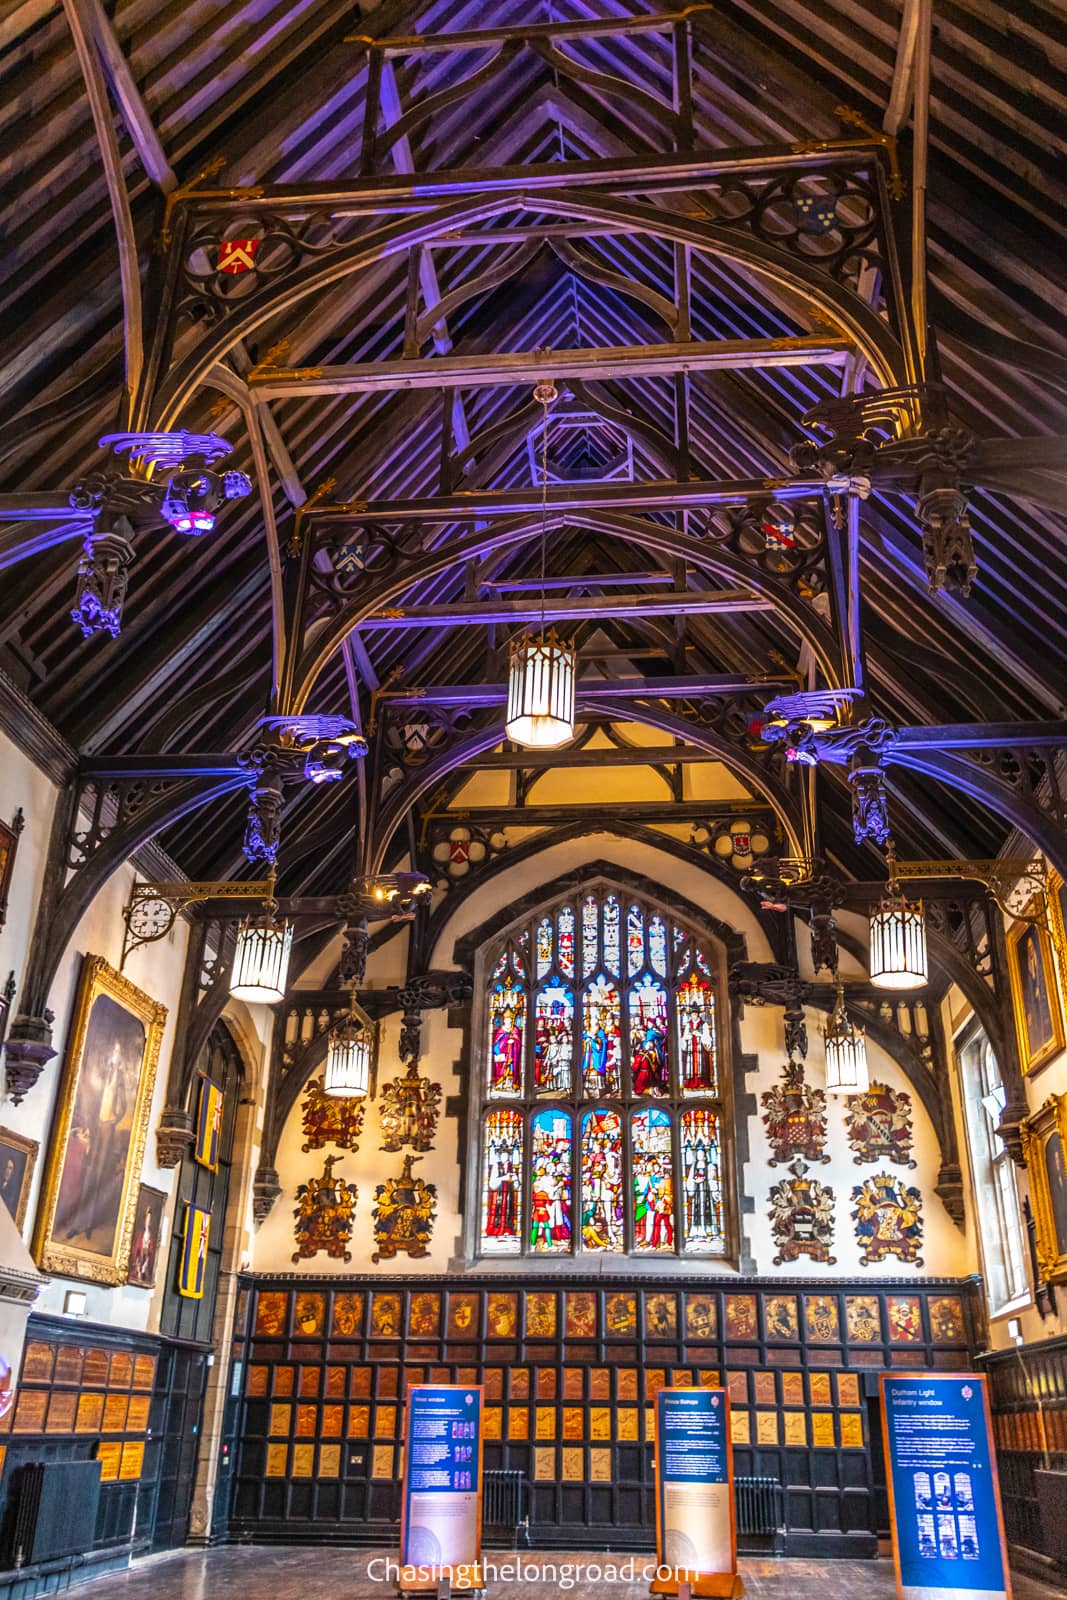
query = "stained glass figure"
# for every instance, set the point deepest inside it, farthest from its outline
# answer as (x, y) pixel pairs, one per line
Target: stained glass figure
(611, 934)
(649, 1072)
(507, 1029)
(657, 946)
(502, 1181)
(565, 924)
(602, 1203)
(550, 1181)
(653, 1168)
(590, 934)
(635, 940)
(601, 1042)
(702, 1179)
(553, 1039)
(544, 946)
(695, 1007)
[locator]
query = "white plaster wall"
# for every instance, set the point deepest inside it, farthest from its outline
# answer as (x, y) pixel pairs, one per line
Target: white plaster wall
(945, 1249)
(156, 968)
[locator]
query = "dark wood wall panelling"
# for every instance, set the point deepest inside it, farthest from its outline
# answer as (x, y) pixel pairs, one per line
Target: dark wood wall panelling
(134, 1400)
(570, 1374)
(1029, 1398)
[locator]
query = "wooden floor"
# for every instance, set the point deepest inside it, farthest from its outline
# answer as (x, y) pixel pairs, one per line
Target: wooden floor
(273, 1573)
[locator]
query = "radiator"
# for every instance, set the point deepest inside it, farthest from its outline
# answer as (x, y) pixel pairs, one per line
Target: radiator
(759, 1505)
(54, 1513)
(504, 1503)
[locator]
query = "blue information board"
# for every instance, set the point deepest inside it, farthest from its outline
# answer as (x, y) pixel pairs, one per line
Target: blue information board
(441, 1520)
(948, 1532)
(694, 1489)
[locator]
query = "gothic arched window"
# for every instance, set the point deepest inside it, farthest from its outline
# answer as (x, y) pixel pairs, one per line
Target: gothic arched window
(602, 1124)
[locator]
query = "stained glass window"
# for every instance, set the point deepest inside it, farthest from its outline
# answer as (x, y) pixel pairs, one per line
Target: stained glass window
(502, 1182)
(611, 1135)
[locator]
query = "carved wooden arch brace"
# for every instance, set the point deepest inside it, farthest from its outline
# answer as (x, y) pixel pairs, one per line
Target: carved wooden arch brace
(798, 615)
(404, 797)
(833, 299)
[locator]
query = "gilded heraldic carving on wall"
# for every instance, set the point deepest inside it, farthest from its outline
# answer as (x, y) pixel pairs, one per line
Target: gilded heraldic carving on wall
(330, 1119)
(888, 1218)
(403, 1215)
(802, 1217)
(410, 1108)
(795, 1118)
(879, 1126)
(324, 1211)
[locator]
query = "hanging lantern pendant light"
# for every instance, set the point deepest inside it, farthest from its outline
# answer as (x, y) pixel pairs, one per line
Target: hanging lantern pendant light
(897, 955)
(846, 1052)
(541, 666)
(261, 958)
(348, 1059)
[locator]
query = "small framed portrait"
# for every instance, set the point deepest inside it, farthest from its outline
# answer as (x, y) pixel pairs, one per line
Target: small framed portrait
(1044, 1140)
(1035, 994)
(144, 1251)
(84, 1225)
(17, 1158)
(9, 841)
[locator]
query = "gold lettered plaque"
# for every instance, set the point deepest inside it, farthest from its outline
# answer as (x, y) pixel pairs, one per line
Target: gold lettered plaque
(62, 1410)
(277, 1459)
(546, 1383)
(307, 1418)
(545, 1424)
(256, 1379)
(626, 1383)
(573, 1464)
(69, 1361)
(792, 1388)
(96, 1368)
(359, 1422)
(573, 1383)
(851, 1425)
(332, 1421)
(284, 1378)
(385, 1422)
(90, 1413)
(796, 1427)
(765, 1389)
(131, 1464)
(599, 1383)
(281, 1421)
(822, 1429)
(382, 1461)
(493, 1383)
(848, 1389)
(544, 1463)
(137, 1415)
(709, 1378)
(329, 1461)
(38, 1359)
(600, 1466)
(519, 1386)
(493, 1422)
(819, 1383)
(303, 1460)
(115, 1407)
(766, 1427)
(109, 1455)
(740, 1427)
(519, 1422)
(120, 1375)
(600, 1423)
(30, 1411)
(310, 1379)
(626, 1422)
(737, 1387)
(336, 1381)
(573, 1422)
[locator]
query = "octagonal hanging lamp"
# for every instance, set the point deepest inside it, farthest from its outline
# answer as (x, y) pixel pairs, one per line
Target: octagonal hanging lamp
(542, 668)
(261, 959)
(846, 1052)
(541, 688)
(897, 954)
(348, 1059)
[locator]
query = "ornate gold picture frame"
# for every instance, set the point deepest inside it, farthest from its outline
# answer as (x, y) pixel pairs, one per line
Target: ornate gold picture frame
(1044, 1140)
(1035, 993)
(18, 1156)
(85, 1219)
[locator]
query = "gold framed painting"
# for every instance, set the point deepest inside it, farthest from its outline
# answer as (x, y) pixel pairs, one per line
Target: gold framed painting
(86, 1217)
(1044, 1141)
(17, 1158)
(1035, 994)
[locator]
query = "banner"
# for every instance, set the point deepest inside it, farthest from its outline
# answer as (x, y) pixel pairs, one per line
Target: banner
(209, 1125)
(441, 1512)
(194, 1253)
(944, 1500)
(696, 1530)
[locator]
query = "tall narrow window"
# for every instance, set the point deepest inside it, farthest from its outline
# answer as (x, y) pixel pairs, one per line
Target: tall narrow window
(996, 1195)
(603, 1125)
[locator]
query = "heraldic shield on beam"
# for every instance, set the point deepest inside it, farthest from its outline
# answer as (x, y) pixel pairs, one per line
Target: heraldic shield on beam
(404, 1210)
(802, 1217)
(879, 1126)
(794, 1115)
(330, 1119)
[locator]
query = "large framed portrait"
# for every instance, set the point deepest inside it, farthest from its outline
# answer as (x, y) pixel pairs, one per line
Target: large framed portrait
(85, 1221)
(1044, 1140)
(1035, 993)
(17, 1158)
